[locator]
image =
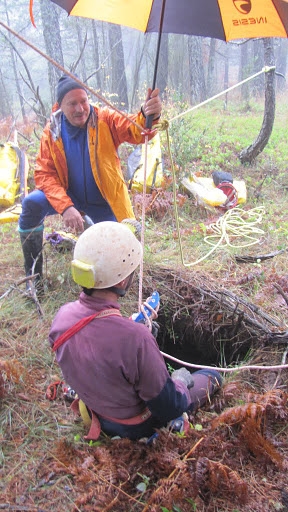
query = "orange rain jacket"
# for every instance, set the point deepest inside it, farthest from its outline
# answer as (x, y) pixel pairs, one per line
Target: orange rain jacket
(107, 129)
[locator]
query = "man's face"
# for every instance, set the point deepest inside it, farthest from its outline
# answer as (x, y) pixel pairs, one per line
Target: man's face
(75, 106)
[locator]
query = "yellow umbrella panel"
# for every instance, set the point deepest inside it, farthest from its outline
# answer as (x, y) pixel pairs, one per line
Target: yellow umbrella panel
(220, 19)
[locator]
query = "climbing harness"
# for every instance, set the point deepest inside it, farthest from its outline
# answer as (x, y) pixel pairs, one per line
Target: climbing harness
(91, 419)
(164, 125)
(82, 323)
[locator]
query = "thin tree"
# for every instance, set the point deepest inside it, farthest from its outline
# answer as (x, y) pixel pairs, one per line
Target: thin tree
(14, 66)
(249, 154)
(53, 43)
(196, 68)
(118, 82)
(162, 73)
(211, 74)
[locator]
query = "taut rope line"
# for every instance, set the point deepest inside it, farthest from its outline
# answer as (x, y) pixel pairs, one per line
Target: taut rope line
(57, 65)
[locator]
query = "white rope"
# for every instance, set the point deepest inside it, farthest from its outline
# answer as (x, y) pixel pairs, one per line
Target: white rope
(229, 370)
(236, 223)
(140, 291)
(266, 69)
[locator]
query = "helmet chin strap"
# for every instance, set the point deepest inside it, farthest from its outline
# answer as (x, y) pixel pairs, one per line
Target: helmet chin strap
(121, 291)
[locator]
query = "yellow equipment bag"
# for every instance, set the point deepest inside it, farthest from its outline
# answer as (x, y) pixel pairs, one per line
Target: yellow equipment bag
(154, 171)
(13, 180)
(205, 192)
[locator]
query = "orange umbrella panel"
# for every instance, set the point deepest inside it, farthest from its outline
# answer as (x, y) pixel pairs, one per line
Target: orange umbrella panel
(220, 19)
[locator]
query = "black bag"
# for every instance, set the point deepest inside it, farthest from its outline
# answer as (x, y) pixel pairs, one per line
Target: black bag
(221, 176)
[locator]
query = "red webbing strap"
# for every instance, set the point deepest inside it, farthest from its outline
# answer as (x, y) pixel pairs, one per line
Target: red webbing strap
(79, 325)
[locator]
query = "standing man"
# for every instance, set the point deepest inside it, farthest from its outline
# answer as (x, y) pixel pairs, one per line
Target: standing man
(78, 169)
(113, 363)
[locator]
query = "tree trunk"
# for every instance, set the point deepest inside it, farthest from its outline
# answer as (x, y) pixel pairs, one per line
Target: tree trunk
(244, 72)
(226, 75)
(81, 47)
(98, 73)
(14, 66)
(197, 78)
(258, 86)
(53, 45)
(249, 154)
(119, 82)
(281, 64)
(162, 73)
(138, 64)
(5, 109)
(211, 75)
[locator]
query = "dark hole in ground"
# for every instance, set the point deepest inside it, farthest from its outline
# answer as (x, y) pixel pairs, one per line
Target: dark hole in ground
(203, 324)
(200, 344)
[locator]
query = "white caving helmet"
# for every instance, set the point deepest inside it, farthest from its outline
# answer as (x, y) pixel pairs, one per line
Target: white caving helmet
(105, 254)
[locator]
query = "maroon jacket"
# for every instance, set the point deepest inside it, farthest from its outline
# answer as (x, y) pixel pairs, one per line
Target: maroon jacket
(115, 364)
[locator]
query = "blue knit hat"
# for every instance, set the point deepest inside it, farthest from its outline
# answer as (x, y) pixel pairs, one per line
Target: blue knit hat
(66, 84)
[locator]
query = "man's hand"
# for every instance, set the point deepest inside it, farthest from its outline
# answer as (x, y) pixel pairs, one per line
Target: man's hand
(155, 329)
(73, 220)
(184, 375)
(152, 105)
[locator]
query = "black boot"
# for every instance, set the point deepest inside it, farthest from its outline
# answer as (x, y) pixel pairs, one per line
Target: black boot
(32, 244)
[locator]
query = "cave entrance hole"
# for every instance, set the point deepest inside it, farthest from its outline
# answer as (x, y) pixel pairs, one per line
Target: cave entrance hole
(204, 324)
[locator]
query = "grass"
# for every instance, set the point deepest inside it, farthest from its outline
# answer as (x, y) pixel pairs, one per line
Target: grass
(32, 428)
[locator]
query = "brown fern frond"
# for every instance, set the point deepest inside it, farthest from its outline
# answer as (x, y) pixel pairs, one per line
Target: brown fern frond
(217, 479)
(155, 204)
(65, 453)
(258, 445)
(236, 415)
(273, 398)
(13, 370)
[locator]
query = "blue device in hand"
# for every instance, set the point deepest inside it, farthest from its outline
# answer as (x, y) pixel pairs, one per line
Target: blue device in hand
(153, 301)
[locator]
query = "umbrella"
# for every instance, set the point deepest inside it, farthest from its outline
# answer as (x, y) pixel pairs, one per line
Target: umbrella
(219, 19)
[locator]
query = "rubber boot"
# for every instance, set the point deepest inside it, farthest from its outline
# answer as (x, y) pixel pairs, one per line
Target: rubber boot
(32, 244)
(206, 383)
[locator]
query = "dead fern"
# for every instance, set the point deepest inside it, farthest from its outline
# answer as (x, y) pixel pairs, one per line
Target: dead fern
(155, 204)
(239, 414)
(258, 444)
(217, 479)
(274, 402)
(251, 418)
(13, 372)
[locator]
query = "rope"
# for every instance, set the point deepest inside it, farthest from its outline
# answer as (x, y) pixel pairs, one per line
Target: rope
(57, 65)
(101, 98)
(220, 228)
(229, 370)
(266, 69)
(236, 223)
(140, 292)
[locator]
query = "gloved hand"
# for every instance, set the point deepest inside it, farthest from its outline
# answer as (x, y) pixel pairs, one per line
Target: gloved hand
(184, 375)
(155, 329)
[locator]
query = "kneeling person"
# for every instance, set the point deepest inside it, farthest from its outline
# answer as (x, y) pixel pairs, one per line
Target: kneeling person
(114, 364)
